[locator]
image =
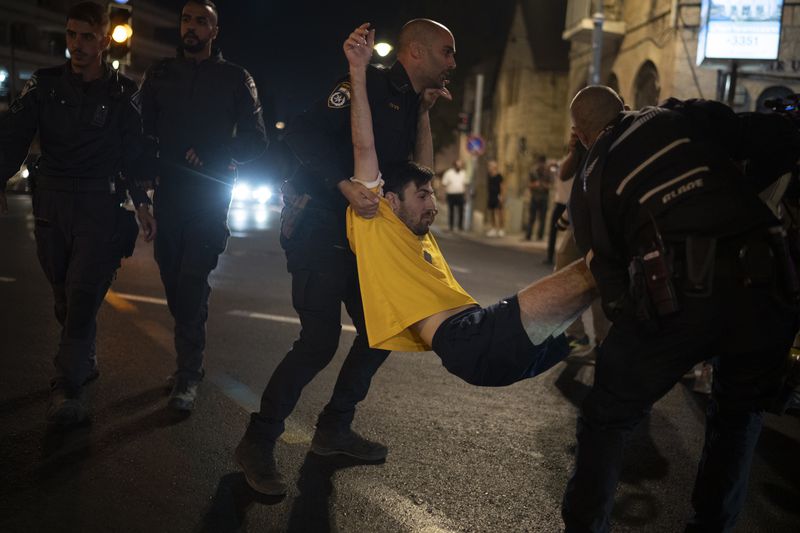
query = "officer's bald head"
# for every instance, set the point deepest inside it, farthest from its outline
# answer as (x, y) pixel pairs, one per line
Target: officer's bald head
(426, 49)
(422, 31)
(592, 109)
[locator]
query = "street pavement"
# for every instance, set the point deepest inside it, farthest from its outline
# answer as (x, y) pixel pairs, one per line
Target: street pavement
(461, 458)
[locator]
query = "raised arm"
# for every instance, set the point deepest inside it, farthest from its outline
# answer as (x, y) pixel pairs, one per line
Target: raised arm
(358, 49)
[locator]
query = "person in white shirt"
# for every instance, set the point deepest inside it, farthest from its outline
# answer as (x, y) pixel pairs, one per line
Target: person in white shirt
(454, 181)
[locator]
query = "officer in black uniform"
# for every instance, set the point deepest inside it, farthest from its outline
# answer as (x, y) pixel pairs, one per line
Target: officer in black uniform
(318, 257)
(87, 117)
(206, 115)
(690, 264)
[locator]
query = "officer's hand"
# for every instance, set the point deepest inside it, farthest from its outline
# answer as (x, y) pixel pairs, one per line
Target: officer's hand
(430, 96)
(358, 46)
(3, 203)
(146, 222)
(193, 158)
(363, 201)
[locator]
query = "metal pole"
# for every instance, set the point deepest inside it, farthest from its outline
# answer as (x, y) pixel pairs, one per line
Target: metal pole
(732, 83)
(476, 130)
(597, 44)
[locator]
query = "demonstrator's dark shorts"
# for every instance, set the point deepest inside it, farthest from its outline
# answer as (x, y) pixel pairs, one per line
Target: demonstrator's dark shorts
(488, 346)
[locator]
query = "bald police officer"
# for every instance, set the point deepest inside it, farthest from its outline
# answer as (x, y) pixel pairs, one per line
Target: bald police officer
(87, 118)
(318, 257)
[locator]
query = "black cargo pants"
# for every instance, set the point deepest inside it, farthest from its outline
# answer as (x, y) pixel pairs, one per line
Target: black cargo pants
(187, 250)
(324, 276)
(80, 240)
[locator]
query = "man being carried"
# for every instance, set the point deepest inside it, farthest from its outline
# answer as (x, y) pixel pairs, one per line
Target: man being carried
(411, 300)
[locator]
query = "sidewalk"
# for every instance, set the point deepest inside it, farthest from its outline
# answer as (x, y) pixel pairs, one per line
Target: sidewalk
(515, 241)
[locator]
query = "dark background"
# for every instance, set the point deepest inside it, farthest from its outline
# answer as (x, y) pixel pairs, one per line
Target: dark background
(293, 48)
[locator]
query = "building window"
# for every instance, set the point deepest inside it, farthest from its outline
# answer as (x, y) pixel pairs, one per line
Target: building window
(770, 93)
(646, 86)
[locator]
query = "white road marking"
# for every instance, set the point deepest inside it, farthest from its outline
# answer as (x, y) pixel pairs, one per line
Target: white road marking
(279, 318)
(4, 279)
(415, 517)
(143, 299)
(460, 270)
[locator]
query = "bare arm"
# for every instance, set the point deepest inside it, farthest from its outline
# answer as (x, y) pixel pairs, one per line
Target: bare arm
(551, 304)
(423, 151)
(358, 49)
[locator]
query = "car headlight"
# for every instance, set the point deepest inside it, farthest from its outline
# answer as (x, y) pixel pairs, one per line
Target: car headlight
(262, 194)
(241, 192)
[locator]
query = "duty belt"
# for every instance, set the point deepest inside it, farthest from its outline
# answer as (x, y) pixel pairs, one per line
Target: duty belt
(79, 185)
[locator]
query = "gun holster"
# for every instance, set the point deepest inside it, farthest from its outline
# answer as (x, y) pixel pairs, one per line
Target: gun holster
(701, 253)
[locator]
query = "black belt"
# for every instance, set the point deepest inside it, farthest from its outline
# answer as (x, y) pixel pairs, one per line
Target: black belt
(63, 184)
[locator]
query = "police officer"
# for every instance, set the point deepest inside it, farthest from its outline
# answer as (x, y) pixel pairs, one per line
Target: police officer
(318, 257)
(689, 264)
(87, 117)
(206, 115)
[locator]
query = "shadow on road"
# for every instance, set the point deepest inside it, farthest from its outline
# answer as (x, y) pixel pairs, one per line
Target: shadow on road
(228, 509)
(310, 510)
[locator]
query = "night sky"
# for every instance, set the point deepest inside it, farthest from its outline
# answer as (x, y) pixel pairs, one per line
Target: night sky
(293, 47)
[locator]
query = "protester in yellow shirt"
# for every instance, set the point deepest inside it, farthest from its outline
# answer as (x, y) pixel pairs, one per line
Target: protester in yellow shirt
(412, 302)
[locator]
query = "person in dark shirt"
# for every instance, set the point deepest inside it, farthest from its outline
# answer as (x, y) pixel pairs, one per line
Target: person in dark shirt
(689, 263)
(496, 218)
(205, 113)
(313, 235)
(539, 183)
(87, 118)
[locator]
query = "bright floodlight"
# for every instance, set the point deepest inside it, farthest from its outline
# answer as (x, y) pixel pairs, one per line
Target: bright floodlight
(262, 194)
(115, 64)
(121, 33)
(25, 173)
(241, 192)
(3, 75)
(383, 49)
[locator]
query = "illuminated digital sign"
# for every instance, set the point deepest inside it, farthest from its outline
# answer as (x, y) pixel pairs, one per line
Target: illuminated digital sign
(739, 29)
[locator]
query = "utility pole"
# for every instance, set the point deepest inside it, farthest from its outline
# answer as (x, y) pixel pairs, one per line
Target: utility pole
(476, 130)
(597, 44)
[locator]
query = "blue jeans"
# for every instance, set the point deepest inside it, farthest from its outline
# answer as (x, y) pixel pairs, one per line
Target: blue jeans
(748, 336)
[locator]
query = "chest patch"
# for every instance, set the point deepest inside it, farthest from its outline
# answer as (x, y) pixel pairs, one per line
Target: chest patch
(340, 97)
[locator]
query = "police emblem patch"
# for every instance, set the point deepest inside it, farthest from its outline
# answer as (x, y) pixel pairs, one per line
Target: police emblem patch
(340, 97)
(29, 86)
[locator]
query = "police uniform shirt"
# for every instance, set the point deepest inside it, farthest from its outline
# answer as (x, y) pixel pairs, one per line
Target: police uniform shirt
(404, 278)
(211, 106)
(321, 140)
(86, 129)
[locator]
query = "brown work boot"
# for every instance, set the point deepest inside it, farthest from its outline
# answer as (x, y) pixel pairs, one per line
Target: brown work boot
(347, 442)
(257, 461)
(66, 407)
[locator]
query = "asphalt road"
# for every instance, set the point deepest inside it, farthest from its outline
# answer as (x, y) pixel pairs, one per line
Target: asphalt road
(461, 458)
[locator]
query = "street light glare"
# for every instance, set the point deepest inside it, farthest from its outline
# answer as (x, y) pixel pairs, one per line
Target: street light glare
(280, 125)
(383, 49)
(121, 33)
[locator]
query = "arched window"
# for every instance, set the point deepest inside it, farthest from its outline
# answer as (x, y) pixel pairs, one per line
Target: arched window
(646, 86)
(776, 91)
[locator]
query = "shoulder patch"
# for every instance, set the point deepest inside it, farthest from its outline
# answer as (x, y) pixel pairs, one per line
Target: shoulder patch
(340, 97)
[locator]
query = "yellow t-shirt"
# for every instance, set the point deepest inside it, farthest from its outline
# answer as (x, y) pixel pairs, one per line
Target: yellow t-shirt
(404, 279)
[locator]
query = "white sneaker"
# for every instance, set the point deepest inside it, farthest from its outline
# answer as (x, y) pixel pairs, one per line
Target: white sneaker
(491, 233)
(501, 233)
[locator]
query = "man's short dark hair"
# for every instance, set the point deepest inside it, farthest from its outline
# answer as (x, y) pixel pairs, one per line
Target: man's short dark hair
(398, 175)
(91, 12)
(206, 3)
